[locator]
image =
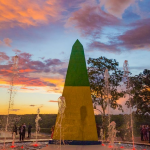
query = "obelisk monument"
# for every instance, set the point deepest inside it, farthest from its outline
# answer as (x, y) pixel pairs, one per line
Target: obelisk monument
(79, 121)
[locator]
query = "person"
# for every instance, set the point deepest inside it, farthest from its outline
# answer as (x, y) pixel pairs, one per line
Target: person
(29, 130)
(147, 132)
(141, 128)
(24, 130)
(21, 130)
(52, 130)
(144, 133)
(14, 131)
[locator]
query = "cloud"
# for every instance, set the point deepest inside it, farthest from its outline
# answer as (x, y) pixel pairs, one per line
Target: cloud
(25, 88)
(4, 86)
(14, 110)
(3, 56)
(32, 105)
(91, 19)
(32, 82)
(33, 73)
(55, 89)
(25, 13)
(53, 62)
(36, 66)
(116, 7)
(16, 51)
(42, 57)
(138, 37)
(53, 101)
(97, 45)
(6, 42)
(72, 4)
(59, 82)
(135, 38)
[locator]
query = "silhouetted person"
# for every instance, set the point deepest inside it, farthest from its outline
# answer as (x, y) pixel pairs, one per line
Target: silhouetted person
(141, 131)
(29, 130)
(144, 133)
(21, 132)
(14, 131)
(98, 130)
(24, 131)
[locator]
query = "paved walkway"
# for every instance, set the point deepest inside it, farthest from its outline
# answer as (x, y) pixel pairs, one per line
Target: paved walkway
(75, 147)
(137, 140)
(47, 138)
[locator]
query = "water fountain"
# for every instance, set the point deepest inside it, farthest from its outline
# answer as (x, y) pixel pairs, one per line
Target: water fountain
(61, 109)
(37, 127)
(112, 134)
(126, 75)
(106, 90)
(12, 91)
(106, 78)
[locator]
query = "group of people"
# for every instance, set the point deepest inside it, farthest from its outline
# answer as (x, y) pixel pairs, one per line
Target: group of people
(22, 131)
(145, 132)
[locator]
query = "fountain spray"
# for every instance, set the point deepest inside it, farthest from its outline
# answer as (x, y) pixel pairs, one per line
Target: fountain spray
(107, 76)
(61, 115)
(126, 74)
(112, 134)
(12, 91)
(37, 123)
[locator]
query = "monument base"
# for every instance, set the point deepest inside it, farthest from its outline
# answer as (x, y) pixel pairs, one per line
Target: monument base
(69, 142)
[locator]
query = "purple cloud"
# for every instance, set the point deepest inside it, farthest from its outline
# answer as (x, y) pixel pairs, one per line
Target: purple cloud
(28, 67)
(137, 38)
(116, 7)
(91, 19)
(16, 51)
(53, 62)
(6, 42)
(96, 45)
(3, 56)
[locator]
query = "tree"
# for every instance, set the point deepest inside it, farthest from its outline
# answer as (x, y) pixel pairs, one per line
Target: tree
(140, 92)
(96, 69)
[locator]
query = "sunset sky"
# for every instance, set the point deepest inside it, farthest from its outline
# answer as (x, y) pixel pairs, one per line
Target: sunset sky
(42, 32)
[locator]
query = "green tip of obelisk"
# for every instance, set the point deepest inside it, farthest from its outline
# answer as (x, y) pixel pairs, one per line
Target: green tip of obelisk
(77, 71)
(77, 43)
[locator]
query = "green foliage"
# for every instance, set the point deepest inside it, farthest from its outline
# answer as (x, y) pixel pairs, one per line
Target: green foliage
(140, 92)
(46, 122)
(96, 70)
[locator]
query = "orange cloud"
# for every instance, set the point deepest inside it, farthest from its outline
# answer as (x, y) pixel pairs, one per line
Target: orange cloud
(26, 13)
(3, 82)
(27, 82)
(26, 70)
(53, 101)
(4, 86)
(33, 75)
(58, 82)
(24, 88)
